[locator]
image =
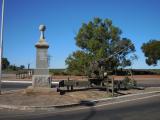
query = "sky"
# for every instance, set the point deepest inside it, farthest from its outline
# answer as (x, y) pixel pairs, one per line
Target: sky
(139, 21)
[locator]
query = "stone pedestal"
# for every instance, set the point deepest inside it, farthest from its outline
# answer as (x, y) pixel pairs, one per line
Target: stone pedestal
(41, 76)
(41, 81)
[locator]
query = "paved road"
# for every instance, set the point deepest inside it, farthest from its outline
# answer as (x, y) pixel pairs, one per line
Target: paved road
(6, 86)
(146, 109)
(149, 83)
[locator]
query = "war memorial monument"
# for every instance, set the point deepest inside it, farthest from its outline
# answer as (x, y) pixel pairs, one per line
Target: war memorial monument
(41, 76)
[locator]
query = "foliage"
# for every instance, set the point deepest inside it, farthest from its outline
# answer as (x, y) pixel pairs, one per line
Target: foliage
(129, 83)
(13, 67)
(58, 72)
(99, 40)
(22, 66)
(137, 71)
(151, 50)
(6, 66)
(78, 62)
(155, 71)
(5, 63)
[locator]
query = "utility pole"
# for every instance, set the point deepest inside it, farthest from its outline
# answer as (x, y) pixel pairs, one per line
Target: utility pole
(1, 45)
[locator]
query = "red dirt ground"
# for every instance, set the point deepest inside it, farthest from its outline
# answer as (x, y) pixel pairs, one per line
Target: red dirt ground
(56, 77)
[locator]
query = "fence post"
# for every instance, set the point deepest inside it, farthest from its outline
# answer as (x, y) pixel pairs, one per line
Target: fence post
(107, 85)
(112, 87)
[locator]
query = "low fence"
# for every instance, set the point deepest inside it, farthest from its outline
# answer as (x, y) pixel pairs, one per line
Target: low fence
(24, 74)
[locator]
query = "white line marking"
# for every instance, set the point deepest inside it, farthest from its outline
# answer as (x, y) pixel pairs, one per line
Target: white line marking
(6, 81)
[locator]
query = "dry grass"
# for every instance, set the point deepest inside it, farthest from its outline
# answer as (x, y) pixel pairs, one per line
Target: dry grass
(46, 97)
(40, 97)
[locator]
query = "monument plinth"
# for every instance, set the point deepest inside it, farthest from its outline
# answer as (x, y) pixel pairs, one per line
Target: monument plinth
(41, 76)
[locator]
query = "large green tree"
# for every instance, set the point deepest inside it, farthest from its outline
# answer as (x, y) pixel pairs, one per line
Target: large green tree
(151, 51)
(100, 41)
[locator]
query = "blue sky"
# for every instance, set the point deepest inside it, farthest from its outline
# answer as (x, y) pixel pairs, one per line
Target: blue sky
(138, 19)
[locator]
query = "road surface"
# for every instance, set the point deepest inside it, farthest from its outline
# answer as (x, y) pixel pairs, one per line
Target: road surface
(144, 109)
(6, 86)
(149, 83)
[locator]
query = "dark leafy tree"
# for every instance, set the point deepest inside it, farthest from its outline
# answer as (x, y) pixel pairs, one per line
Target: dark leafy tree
(100, 40)
(22, 66)
(13, 67)
(5, 63)
(151, 51)
(78, 62)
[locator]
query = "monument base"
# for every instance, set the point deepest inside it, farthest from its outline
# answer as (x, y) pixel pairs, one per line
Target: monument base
(41, 81)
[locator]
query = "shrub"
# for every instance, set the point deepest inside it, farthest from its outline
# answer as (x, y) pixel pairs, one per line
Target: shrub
(129, 83)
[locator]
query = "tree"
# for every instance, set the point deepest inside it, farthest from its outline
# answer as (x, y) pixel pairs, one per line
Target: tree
(13, 67)
(99, 40)
(151, 51)
(78, 62)
(5, 63)
(22, 67)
